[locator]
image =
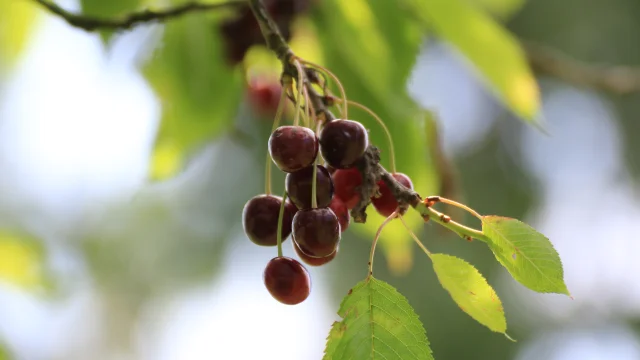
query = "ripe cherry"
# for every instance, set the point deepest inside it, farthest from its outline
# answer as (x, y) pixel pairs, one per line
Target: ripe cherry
(316, 231)
(264, 96)
(293, 147)
(342, 142)
(386, 204)
(342, 213)
(346, 183)
(299, 185)
(311, 261)
(287, 280)
(260, 219)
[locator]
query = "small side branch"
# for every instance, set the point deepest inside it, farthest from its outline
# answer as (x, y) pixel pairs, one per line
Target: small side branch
(89, 23)
(616, 79)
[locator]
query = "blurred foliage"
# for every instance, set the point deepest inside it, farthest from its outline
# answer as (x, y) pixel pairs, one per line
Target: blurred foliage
(198, 90)
(16, 20)
(22, 259)
(108, 9)
(494, 51)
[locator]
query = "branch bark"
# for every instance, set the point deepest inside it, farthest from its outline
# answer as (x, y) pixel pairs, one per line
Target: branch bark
(89, 23)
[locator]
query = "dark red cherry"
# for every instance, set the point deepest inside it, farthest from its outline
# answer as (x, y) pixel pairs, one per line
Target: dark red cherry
(264, 96)
(341, 212)
(260, 219)
(346, 183)
(293, 147)
(316, 231)
(287, 280)
(342, 142)
(311, 261)
(299, 184)
(386, 204)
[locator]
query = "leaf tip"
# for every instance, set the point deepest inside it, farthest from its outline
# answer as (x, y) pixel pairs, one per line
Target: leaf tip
(510, 338)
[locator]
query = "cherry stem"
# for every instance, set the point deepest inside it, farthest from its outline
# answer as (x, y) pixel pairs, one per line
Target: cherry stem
(280, 219)
(276, 123)
(375, 239)
(392, 152)
(338, 83)
(435, 199)
(415, 237)
(296, 119)
(463, 231)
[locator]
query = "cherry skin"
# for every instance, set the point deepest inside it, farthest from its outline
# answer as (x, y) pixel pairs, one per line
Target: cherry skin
(287, 280)
(342, 142)
(264, 96)
(299, 185)
(293, 147)
(386, 204)
(311, 261)
(316, 231)
(260, 219)
(346, 183)
(342, 213)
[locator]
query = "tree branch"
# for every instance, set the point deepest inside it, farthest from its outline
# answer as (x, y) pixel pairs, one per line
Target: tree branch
(89, 23)
(620, 80)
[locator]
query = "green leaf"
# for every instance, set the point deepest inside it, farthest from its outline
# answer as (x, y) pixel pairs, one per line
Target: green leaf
(16, 21)
(470, 291)
(489, 46)
(4, 353)
(378, 323)
(527, 254)
(22, 261)
(199, 92)
(500, 8)
(108, 9)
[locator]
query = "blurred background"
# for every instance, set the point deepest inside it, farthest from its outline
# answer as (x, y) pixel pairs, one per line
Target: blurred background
(126, 159)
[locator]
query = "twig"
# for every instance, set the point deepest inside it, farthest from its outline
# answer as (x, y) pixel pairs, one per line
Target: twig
(89, 23)
(616, 79)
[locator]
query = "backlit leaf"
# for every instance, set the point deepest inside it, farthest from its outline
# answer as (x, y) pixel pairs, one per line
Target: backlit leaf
(378, 323)
(470, 291)
(199, 92)
(528, 255)
(22, 260)
(494, 52)
(16, 20)
(108, 9)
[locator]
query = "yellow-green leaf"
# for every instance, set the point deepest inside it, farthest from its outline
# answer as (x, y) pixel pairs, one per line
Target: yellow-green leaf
(378, 323)
(470, 291)
(16, 21)
(528, 255)
(21, 260)
(494, 52)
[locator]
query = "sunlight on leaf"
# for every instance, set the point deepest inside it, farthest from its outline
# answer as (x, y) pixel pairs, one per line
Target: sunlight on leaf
(470, 290)
(528, 255)
(500, 8)
(21, 261)
(16, 21)
(496, 53)
(378, 322)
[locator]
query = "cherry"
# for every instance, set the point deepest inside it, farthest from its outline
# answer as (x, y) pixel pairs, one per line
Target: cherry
(299, 185)
(287, 280)
(260, 219)
(311, 260)
(316, 231)
(264, 96)
(346, 183)
(342, 213)
(386, 204)
(342, 142)
(293, 147)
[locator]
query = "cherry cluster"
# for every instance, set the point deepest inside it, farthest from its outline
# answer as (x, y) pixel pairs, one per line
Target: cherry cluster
(243, 31)
(316, 224)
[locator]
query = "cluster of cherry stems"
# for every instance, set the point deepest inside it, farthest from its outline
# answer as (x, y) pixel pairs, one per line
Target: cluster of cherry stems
(315, 207)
